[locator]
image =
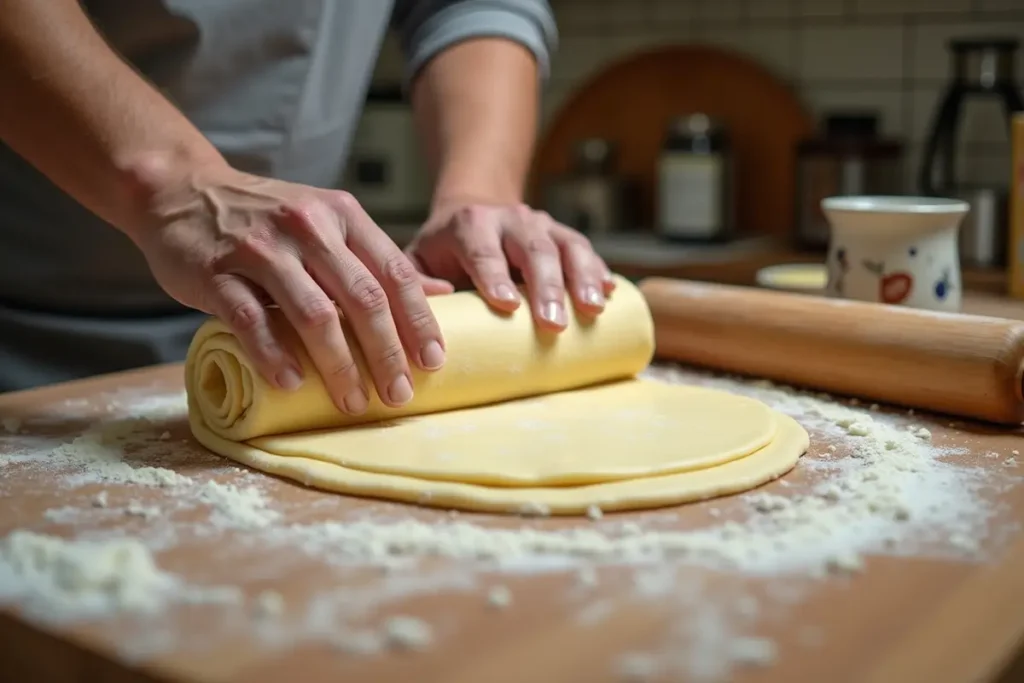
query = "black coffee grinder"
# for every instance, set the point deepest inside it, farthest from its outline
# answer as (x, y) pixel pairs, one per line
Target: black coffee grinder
(983, 69)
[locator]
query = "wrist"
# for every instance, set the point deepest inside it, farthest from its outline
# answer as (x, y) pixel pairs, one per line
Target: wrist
(448, 196)
(149, 178)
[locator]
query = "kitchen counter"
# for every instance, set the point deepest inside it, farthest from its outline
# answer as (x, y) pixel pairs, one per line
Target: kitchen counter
(821, 579)
(637, 255)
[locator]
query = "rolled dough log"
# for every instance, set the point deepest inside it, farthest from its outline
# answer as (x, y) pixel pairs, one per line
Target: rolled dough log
(516, 417)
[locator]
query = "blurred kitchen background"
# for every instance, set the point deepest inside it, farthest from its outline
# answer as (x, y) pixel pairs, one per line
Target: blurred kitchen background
(676, 131)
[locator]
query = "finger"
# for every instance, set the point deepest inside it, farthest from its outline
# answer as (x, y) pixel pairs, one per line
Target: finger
(413, 317)
(235, 302)
(584, 270)
(391, 308)
(318, 229)
(432, 286)
(531, 249)
(315, 319)
(478, 249)
(607, 280)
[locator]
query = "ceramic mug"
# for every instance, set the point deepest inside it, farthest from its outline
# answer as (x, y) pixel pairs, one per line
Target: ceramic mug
(895, 250)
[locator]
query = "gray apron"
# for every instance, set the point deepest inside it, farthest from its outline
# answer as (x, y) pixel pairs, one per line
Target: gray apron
(276, 85)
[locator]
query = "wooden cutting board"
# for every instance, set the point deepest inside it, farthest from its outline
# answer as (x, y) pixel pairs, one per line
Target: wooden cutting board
(904, 618)
(633, 101)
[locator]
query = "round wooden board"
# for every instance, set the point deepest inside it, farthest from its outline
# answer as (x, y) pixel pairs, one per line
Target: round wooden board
(633, 101)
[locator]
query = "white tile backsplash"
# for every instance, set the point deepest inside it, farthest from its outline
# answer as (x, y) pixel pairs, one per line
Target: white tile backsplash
(771, 9)
(677, 13)
(580, 56)
(851, 53)
(911, 7)
(997, 5)
(720, 10)
(889, 55)
(821, 8)
(772, 47)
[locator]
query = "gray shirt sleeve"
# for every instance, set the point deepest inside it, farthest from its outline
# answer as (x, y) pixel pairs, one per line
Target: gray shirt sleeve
(426, 27)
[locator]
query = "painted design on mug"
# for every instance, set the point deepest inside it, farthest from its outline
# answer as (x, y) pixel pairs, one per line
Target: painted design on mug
(838, 275)
(893, 288)
(943, 286)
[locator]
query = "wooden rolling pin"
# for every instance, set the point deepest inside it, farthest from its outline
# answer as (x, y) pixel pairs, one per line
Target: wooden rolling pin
(961, 365)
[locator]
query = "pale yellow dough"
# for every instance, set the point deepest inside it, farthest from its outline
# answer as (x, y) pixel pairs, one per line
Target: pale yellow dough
(515, 419)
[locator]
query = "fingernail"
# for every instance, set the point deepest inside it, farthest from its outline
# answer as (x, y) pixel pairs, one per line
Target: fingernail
(289, 379)
(356, 401)
(592, 295)
(432, 355)
(400, 391)
(504, 293)
(554, 312)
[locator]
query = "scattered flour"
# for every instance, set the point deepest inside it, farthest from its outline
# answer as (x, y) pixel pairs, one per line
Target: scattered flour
(269, 604)
(587, 576)
(534, 509)
(357, 642)
(408, 633)
(637, 666)
(877, 488)
(237, 507)
(500, 597)
(753, 651)
(137, 509)
(80, 578)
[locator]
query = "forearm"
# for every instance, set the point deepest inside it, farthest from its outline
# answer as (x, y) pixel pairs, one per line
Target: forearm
(476, 107)
(82, 116)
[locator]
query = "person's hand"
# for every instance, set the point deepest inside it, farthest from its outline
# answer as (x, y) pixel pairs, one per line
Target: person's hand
(483, 244)
(229, 243)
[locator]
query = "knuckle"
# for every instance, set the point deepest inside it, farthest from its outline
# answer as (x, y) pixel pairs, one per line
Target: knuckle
(368, 295)
(307, 226)
(342, 369)
(398, 270)
(421, 320)
(254, 245)
(478, 251)
(316, 312)
(391, 354)
(541, 246)
(469, 215)
(245, 316)
(345, 201)
(214, 266)
(574, 238)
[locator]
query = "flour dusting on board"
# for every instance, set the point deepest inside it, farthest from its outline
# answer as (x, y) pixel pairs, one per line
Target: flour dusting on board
(872, 483)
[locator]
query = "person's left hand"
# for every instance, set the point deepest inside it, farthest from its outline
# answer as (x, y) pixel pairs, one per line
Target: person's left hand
(484, 244)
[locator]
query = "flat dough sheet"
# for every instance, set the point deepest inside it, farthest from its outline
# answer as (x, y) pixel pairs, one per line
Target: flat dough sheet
(622, 430)
(515, 418)
(735, 476)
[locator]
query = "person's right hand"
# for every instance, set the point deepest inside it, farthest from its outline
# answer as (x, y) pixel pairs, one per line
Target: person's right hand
(228, 243)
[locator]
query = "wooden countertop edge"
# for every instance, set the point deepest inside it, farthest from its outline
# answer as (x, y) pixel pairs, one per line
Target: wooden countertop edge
(31, 653)
(973, 635)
